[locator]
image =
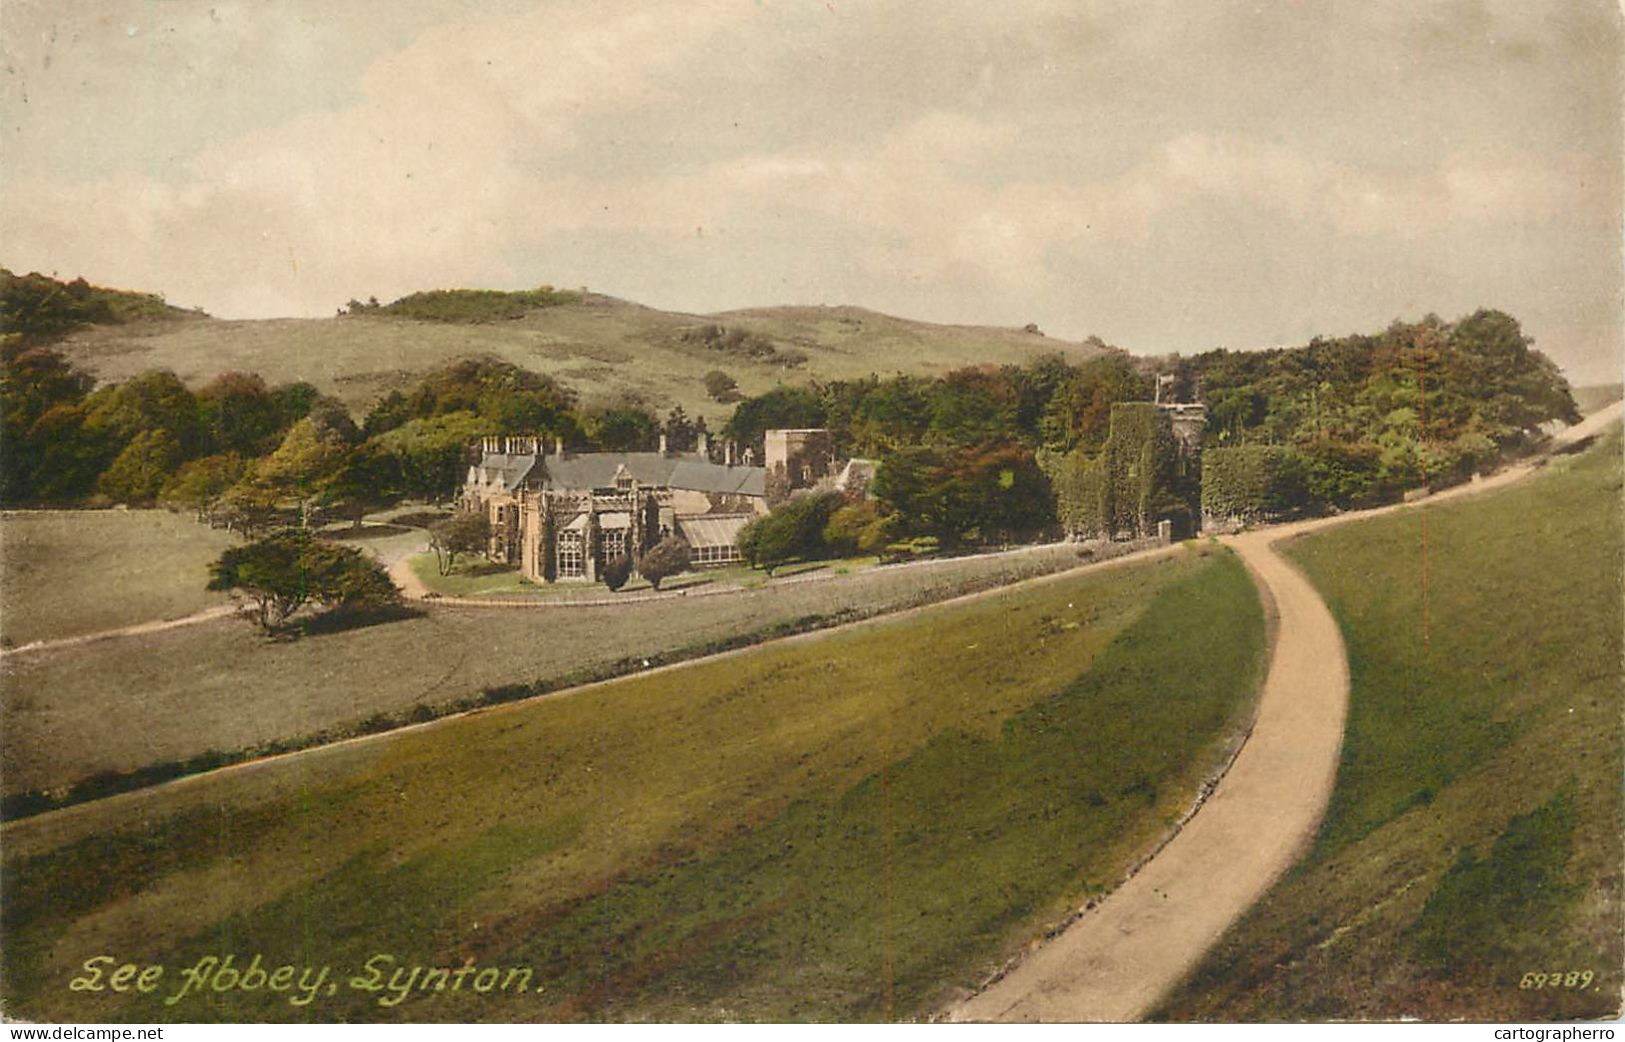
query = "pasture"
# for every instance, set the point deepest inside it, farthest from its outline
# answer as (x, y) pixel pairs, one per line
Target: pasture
(850, 825)
(219, 690)
(1474, 834)
(64, 573)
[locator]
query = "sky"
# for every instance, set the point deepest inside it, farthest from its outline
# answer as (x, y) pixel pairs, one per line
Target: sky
(1169, 176)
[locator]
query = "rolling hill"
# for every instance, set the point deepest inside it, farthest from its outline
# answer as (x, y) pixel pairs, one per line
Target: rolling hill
(600, 346)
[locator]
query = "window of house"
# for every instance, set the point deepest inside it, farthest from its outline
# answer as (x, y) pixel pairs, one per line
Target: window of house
(571, 560)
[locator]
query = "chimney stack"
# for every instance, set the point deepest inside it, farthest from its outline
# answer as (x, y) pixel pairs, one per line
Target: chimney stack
(558, 445)
(663, 443)
(702, 445)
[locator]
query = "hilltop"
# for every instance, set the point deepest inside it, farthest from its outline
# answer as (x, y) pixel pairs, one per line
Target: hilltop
(600, 346)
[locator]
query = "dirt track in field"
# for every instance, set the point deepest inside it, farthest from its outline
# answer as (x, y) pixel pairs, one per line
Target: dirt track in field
(1118, 959)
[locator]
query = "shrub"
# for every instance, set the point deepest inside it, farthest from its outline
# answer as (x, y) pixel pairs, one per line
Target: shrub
(617, 571)
(667, 557)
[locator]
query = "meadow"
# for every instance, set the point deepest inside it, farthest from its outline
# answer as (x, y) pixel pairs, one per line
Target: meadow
(64, 573)
(612, 347)
(219, 690)
(850, 825)
(1470, 854)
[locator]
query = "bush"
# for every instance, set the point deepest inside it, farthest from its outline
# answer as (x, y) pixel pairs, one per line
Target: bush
(667, 557)
(617, 571)
(287, 570)
(1253, 483)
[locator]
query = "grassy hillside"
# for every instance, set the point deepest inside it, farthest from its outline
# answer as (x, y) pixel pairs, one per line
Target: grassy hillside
(598, 345)
(1597, 396)
(222, 688)
(842, 827)
(1474, 833)
(68, 572)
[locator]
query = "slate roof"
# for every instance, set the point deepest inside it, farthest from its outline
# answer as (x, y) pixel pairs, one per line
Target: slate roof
(498, 466)
(590, 470)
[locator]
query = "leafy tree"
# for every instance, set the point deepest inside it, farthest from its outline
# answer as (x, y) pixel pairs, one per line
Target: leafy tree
(795, 530)
(465, 532)
(155, 400)
(626, 427)
(847, 525)
(287, 570)
(433, 453)
(667, 557)
(780, 408)
(305, 465)
(201, 485)
(721, 387)
(139, 472)
(41, 418)
(682, 434)
(239, 414)
(368, 478)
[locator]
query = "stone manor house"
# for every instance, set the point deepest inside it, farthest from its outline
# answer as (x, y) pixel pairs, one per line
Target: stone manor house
(563, 516)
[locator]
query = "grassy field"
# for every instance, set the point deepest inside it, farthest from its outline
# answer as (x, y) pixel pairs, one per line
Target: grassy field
(70, 572)
(847, 826)
(1474, 834)
(220, 687)
(599, 345)
(477, 577)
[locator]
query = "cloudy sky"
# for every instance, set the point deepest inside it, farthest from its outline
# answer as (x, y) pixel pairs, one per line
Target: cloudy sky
(1169, 176)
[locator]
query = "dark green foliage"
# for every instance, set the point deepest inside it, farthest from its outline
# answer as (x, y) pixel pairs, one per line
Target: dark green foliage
(794, 531)
(721, 387)
(989, 492)
(665, 558)
(626, 427)
(433, 453)
(370, 477)
(617, 571)
(240, 414)
(1252, 483)
(467, 305)
(36, 309)
(780, 408)
(1136, 480)
(287, 570)
(138, 473)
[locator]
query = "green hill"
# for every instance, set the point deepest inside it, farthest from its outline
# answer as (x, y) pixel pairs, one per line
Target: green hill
(1468, 867)
(600, 346)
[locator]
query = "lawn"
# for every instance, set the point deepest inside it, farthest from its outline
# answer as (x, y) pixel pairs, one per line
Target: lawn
(69, 572)
(221, 688)
(847, 826)
(477, 577)
(1474, 833)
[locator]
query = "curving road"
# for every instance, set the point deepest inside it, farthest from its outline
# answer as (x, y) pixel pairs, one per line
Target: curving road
(1116, 961)
(1113, 963)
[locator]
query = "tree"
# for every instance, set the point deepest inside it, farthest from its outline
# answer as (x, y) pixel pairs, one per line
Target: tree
(617, 570)
(721, 387)
(287, 570)
(665, 558)
(239, 414)
(793, 531)
(369, 478)
(140, 471)
(465, 532)
(200, 486)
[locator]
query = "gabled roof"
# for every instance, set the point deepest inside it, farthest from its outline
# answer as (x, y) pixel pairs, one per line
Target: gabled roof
(590, 470)
(495, 467)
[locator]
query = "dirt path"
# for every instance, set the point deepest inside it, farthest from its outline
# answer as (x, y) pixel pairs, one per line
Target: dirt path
(1115, 962)
(135, 630)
